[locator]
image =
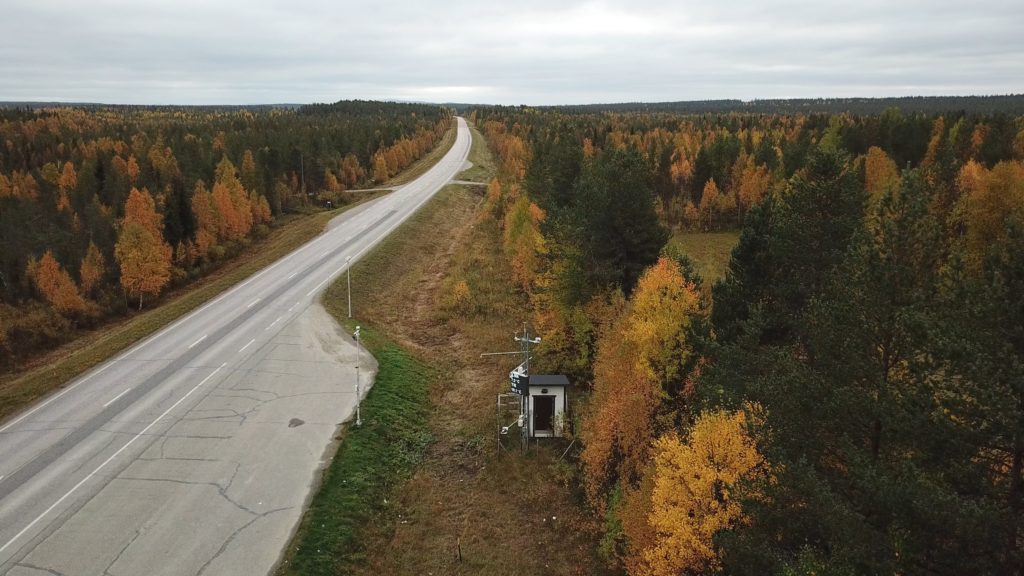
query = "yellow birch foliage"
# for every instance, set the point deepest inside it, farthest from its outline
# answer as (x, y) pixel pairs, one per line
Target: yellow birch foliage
(709, 201)
(992, 195)
(694, 493)
(523, 240)
(660, 313)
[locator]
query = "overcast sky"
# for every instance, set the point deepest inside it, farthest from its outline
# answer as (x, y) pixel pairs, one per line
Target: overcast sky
(515, 52)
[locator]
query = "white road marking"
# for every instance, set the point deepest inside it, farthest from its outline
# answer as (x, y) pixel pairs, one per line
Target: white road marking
(52, 398)
(247, 345)
(253, 303)
(107, 461)
(194, 344)
(114, 399)
(272, 324)
(292, 275)
(318, 286)
(325, 253)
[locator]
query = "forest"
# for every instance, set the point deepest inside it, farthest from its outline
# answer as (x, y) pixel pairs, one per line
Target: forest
(103, 208)
(849, 398)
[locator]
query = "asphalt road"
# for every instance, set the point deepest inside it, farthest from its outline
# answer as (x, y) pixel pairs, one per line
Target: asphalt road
(195, 451)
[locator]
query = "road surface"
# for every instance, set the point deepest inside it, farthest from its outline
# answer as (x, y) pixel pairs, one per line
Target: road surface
(195, 451)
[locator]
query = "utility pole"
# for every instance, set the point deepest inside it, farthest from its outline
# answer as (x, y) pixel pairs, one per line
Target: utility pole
(525, 342)
(524, 405)
(359, 420)
(348, 270)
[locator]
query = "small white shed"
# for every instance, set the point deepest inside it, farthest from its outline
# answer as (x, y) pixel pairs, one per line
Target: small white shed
(547, 405)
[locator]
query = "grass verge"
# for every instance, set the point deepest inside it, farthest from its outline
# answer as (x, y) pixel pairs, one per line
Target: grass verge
(370, 460)
(482, 169)
(710, 251)
(465, 508)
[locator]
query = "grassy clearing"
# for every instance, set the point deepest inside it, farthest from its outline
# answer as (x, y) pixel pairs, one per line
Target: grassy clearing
(370, 458)
(710, 251)
(507, 513)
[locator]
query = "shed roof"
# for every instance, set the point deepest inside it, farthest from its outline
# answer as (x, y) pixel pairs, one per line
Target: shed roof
(548, 380)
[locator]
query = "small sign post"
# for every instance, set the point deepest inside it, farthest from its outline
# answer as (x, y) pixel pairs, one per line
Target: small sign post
(520, 380)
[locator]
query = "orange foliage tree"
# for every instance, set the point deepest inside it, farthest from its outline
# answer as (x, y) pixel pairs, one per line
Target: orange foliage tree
(92, 269)
(206, 220)
(880, 173)
(56, 286)
(639, 365)
(380, 169)
(752, 184)
(141, 252)
(231, 203)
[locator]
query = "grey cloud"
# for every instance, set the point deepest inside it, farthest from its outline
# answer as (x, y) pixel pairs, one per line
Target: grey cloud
(535, 52)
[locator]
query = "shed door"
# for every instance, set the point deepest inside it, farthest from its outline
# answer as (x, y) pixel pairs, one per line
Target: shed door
(543, 413)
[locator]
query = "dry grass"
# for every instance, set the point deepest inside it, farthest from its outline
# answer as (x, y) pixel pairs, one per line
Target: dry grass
(710, 251)
(508, 513)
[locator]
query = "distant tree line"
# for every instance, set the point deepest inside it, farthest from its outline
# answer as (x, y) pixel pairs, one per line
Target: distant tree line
(1007, 104)
(106, 204)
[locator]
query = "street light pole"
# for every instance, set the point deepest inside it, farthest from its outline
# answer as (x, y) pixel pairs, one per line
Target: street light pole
(348, 271)
(359, 420)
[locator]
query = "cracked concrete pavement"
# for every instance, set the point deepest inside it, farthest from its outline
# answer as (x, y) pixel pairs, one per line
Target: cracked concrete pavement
(195, 452)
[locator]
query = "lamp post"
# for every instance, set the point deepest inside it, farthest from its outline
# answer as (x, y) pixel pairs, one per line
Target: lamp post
(359, 420)
(348, 271)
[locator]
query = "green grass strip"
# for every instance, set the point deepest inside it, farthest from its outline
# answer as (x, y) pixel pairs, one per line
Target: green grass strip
(370, 460)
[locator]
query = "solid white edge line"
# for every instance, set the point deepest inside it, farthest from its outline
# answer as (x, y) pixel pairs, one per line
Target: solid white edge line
(247, 345)
(318, 286)
(107, 461)
(114, 399)
(194, 344)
